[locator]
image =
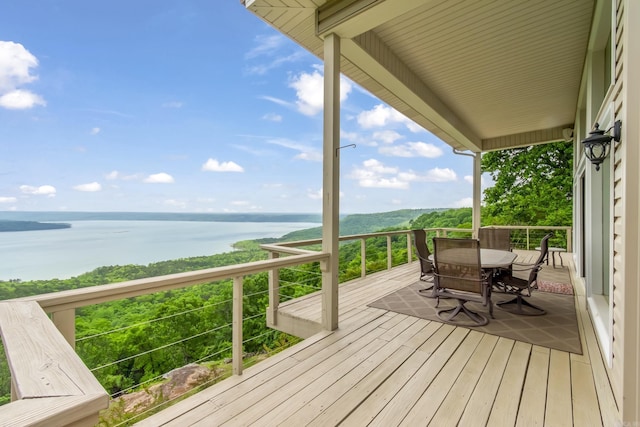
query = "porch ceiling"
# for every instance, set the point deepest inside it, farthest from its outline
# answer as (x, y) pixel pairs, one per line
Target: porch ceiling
(481, 75)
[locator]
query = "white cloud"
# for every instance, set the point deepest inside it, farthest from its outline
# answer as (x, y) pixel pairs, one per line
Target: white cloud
(212, 165)
(95, 131)
(412, 149)
(382, 115)
(271, 47)
(312, 156)
(305, 152)
(265, 45)
(43, 190)
(387, 136)
(113, 175)
(469, 179)
(272, 117)
(374, 174)
(467, 202)
(175, 203)
(310, 92)
(441, 175)
(159, 178)
(357, 138)
(277, 101)
(8, 199)
(21, 99)
(16, 63)
(240, 203)
(90, 187)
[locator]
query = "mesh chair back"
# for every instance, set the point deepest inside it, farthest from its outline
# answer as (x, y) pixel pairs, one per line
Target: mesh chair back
(457, 264)
(420, 240)
(495, 238)
(544, 251)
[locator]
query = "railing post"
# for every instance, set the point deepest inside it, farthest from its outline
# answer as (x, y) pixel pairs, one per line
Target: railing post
(409, 249)
(389, 255)
(569, 240)
(237, 326)
(65, 321)
(274, 292)
(527, 228)
(363, 258)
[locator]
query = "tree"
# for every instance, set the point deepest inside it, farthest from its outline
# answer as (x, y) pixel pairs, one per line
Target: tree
(532, 185)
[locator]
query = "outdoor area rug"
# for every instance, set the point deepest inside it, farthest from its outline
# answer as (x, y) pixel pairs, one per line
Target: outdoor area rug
(557, 329)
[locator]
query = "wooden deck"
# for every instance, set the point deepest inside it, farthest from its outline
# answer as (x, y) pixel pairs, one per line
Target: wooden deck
(386, 369)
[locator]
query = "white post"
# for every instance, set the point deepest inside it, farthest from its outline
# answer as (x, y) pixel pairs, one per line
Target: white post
(236, 340)
(65, 321)
(477, 192)
(274, 292)
(331, 181)
(363, 257)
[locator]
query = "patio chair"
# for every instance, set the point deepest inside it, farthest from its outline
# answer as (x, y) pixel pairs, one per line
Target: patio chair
(509, 281)
(459, 275)
(495, 238)
(426, 266)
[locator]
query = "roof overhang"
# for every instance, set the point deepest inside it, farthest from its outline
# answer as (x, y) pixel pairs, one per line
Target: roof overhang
(479, 75)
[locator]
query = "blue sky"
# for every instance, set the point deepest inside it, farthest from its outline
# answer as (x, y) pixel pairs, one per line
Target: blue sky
(192, 106)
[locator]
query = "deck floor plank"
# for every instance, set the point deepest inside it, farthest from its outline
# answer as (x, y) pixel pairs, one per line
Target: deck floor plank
(452, 408)
(505, 408)
(422, 412)
(586, 411)
(534, 394)
(559, 390)
(481, 401)
(384, 368)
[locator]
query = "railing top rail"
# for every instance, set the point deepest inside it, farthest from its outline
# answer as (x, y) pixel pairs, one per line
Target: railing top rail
(278, 247)
(57, 301)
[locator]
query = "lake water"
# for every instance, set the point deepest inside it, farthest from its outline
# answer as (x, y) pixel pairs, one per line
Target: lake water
(64, 253)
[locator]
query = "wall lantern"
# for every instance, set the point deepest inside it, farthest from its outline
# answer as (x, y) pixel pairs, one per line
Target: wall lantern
(597, 145)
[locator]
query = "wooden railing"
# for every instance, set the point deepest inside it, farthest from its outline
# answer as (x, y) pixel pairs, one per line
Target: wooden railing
(52, 386)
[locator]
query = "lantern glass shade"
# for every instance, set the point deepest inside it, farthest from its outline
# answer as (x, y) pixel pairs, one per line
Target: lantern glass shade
(598, 144)
(597, 152)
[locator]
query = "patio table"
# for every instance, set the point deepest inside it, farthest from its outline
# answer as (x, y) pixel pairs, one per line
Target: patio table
(490, 259)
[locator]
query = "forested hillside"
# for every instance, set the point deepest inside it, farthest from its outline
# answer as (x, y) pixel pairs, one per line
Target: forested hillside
(363, 223)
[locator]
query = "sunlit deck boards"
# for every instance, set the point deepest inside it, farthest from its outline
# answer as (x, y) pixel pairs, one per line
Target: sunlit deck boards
(382, 368)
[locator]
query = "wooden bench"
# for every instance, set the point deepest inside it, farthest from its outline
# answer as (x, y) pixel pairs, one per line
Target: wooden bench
(50, 385)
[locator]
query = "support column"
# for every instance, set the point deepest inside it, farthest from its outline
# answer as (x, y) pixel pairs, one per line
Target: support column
(477, 192)
(331, 181)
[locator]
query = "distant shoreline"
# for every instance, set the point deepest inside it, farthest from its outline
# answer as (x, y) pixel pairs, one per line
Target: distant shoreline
(158, 216)
(15, 226)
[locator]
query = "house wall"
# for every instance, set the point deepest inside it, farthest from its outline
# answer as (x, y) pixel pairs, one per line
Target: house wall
(627, 242)
(624, 105)
(617, 362)
(612, 197)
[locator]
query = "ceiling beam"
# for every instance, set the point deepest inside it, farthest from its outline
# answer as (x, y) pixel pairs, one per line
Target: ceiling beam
(525, 139)
(372, 56)
(349, 18)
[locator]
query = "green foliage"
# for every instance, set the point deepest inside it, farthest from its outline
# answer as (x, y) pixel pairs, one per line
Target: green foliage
(362, 224)
(532, 185)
